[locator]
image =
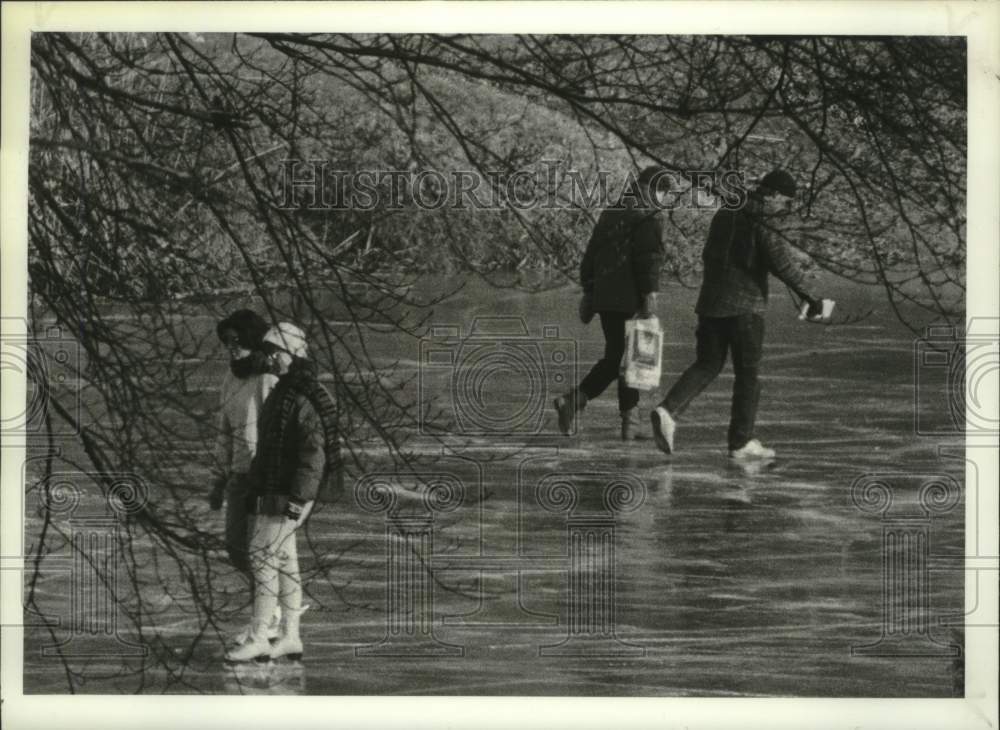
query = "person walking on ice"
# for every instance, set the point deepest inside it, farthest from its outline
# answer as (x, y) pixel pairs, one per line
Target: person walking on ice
(297, 462)
(740, 253)
(620, 274)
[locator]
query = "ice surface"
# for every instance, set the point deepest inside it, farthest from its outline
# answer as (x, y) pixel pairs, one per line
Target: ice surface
(723, 580)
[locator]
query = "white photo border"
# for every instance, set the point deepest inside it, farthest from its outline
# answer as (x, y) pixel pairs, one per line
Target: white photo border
(978, 22)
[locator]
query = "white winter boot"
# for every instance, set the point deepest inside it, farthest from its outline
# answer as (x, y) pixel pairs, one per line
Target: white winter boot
(273, 629)
(255, 649)
(289, 643)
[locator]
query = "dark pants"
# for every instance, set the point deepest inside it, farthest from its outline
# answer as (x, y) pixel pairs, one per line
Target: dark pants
(237, 523)
(605, 370)
(715, 337)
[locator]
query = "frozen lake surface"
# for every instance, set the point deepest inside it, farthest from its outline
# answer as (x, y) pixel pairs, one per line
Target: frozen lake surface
(514, 561)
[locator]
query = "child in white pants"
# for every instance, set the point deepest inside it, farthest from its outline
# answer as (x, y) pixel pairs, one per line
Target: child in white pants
(297, 448)
(274, 559)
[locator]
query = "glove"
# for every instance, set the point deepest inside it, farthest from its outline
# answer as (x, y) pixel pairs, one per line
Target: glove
(297, 512)
(586, 309)
(218, 494)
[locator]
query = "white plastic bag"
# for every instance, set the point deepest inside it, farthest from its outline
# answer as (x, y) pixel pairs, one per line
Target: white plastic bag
(643, 359)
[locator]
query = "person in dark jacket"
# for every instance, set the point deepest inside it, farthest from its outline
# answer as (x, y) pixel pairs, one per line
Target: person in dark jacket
(620, 274)
(740, 253)
(296, 461)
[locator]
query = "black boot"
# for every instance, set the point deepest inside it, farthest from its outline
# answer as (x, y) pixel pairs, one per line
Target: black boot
(630, 425)
(567, 406)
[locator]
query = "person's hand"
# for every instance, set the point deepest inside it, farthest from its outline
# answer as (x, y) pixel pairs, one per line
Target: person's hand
(586, 309)
(648, 308)
(297, 512)
(218, 494)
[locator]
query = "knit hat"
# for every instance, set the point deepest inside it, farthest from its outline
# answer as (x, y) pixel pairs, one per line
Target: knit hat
(248, 326)
(780, 181)
(289, 338)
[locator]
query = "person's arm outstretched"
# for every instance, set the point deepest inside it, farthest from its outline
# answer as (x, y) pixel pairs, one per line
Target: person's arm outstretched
(780, 263)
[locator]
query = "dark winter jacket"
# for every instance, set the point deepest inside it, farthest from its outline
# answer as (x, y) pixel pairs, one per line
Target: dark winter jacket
(738, 256)
(623, 258)
(298, 456)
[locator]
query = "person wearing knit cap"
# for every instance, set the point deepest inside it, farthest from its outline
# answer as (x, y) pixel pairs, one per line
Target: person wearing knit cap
(244, 390)
(289, 338)
(742, 250)
(297, 463)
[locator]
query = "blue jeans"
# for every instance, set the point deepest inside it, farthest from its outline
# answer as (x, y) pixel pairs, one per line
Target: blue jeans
(744, 335)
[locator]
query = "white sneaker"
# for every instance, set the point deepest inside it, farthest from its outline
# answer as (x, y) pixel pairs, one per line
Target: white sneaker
(752, 449)
(663, 429)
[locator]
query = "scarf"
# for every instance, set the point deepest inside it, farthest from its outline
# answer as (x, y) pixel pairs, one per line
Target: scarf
(246, 367)
(301, 380)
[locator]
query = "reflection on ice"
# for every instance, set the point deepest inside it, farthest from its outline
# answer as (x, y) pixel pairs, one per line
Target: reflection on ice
(267, 678)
